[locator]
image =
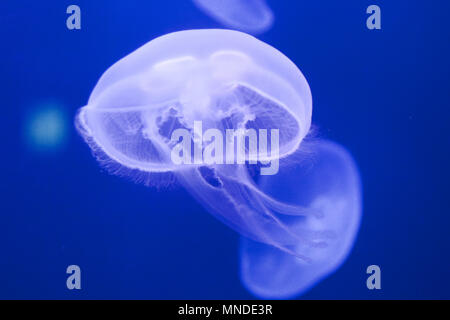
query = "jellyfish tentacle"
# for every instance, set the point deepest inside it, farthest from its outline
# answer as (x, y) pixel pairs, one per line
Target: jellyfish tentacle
(280, 207)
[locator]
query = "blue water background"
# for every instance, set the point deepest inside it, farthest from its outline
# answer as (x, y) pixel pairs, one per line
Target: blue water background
(383, 94)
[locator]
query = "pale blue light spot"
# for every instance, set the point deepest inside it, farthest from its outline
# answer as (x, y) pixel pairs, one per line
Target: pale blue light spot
(46, 127)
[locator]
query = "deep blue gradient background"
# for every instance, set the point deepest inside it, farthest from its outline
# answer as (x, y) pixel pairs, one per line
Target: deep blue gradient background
(383, 94)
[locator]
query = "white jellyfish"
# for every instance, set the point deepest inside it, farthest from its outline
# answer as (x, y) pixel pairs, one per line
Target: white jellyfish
(252, 16)
(326, 180)
(190, 89)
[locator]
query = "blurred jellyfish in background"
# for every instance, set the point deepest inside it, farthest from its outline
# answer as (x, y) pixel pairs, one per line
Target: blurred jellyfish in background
(46, 127)
(234, 83)
(327, 180)
(251, 16)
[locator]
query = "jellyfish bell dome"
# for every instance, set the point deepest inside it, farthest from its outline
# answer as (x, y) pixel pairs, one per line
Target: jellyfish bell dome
(196, 75)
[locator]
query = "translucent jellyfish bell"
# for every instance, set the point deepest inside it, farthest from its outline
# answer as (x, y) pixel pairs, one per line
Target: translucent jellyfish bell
(252, 16)
(225, 79)
(195, 75)
(220, 80)
(329, 182)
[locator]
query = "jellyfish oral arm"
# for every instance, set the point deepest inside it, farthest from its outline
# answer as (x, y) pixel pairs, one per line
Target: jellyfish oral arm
(219, 150)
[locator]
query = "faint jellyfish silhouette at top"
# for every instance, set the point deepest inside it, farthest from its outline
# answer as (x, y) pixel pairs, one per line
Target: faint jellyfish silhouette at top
(236, 83)
(251, 16)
